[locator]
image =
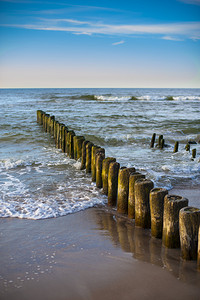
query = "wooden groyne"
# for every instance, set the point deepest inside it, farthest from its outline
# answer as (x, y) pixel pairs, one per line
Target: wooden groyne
(169, 216)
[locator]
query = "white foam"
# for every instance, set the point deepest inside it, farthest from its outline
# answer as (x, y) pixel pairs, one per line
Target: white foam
(112, 98)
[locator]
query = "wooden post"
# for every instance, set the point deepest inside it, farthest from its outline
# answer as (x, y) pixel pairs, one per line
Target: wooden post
(153, 140)
(157, 196)
(105, 167)
(57, 134)
(194, 152)
(39, 116)
(66, 140)
(123, 189)
(176, 147)
(93, 161)
(83, 158)
(79, 143)
(189, 222)
(113, 183)
(159, 140)
(172, 206)
(187, 147)
(142, 207)
(131, 197)
(71, 135)
(99, 161)
(88, 157)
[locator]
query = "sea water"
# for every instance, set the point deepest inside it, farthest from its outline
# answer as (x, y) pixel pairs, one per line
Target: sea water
(39, 181)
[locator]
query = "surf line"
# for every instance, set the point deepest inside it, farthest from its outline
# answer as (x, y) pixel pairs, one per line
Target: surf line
(168, 216)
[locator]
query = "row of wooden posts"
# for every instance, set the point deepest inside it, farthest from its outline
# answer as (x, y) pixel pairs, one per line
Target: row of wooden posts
(169, 216)
(161, 144)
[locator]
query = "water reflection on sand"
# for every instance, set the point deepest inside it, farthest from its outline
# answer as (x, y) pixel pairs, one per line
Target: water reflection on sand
(131, 239)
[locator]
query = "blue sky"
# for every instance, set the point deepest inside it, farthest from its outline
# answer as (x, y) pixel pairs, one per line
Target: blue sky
(138, 43)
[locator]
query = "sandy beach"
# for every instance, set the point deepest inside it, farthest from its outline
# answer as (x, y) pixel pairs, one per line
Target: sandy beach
(92, 254)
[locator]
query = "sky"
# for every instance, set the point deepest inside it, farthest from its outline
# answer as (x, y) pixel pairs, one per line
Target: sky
(83, 44)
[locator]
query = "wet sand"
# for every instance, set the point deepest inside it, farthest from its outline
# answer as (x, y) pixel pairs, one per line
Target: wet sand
(93, 254)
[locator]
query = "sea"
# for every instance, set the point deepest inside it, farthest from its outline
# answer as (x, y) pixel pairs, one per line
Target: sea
(38, 181)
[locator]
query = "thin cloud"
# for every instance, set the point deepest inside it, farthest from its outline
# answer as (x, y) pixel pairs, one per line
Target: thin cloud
(118, 43)
(175, 31)
(170, 38)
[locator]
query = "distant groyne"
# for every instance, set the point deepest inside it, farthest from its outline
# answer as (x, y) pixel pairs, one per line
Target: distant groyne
(168, 216)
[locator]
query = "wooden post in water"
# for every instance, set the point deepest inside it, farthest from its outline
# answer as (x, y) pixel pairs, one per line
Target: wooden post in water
(131, 196)
(113, 183)
(142, 206)
(123, 189)
(71, 143)
(63, 138)
(153, 140)
(160, 138)
(176, 147)
(105, 167)
(79, 143)
(39, 116)
(93, 161)
(99, 162)
(88, 157)
(83, 158)
(66, 140)
(194, 152)
(172, 206)
(187, 147)
(162, 144)
(189, 222)
(57, 134)
(52, 119)
(157, 196)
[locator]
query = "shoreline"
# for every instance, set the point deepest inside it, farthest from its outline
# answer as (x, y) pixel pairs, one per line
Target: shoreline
(91, 254)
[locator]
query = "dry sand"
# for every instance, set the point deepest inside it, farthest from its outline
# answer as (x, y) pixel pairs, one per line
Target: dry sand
(93, 254)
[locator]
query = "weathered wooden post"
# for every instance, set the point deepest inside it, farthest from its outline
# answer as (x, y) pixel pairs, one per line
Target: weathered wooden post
(71, 135)
(157, 196)
(153, 140)
(162, 144)
(172, 206)
(55, 131)
(194, 152)
(39, 116)
(66, 140)
(52, 119)
(131, 197)
(57, 134)
(93, 161)
(46, 122)
(99, 161)
(88, 157)
(176, 147)
(79, 143)
(105, 167)
(160, 138)
(123, 189)
(63, 138)
(187, 147)
(113, 183)
(142, 206)
(189, 222)
(83, 158)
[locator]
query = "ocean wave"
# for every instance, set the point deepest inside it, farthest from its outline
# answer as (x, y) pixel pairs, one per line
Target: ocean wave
(9, 164)
(110, 97)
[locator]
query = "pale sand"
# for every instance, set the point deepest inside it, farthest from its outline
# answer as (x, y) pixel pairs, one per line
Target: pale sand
(94, 254)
